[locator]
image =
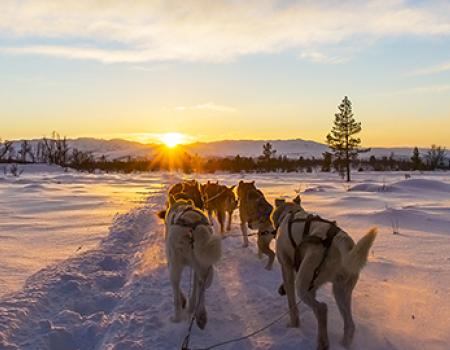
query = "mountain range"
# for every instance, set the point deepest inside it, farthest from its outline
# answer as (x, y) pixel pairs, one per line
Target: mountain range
(119, 148)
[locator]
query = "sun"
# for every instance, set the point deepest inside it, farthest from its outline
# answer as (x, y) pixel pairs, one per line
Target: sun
(172, 139)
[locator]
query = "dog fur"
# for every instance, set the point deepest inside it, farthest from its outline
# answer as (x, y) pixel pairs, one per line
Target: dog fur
(191, 190)
(341, 267)
(254, 212)
(219, 200)
(195, 246)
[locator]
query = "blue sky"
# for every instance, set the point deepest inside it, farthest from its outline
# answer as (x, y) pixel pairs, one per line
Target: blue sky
(225, 69)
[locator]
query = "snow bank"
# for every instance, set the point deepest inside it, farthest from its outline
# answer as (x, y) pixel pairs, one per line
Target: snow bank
(420, 185)
(72, 305)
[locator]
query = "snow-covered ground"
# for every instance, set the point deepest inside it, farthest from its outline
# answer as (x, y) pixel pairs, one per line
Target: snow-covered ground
(50, 214)
(114, 292)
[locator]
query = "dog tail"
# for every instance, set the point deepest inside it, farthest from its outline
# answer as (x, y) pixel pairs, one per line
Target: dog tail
(356, 258)
(209, 249)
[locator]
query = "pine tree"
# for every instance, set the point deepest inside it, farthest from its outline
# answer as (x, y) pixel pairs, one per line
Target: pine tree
(416, 160)
(327, 161)
(267, 157)
(341, 141)
(436, 157)
(268, 151)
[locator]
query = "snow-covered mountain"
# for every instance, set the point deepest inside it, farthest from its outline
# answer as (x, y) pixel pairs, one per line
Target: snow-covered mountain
(119, 148)
(250, 148)
(290, 148)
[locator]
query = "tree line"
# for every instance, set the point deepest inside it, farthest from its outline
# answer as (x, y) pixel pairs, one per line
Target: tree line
(56, 150)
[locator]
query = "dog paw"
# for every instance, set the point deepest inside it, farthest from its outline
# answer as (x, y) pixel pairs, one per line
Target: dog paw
(347, 339)
(323, 345)
(201, 318)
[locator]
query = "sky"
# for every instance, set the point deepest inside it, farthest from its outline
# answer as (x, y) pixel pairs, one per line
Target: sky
(212, 70)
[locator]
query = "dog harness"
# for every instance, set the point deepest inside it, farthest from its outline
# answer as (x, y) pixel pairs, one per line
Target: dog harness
(307, 238)
(180, 221)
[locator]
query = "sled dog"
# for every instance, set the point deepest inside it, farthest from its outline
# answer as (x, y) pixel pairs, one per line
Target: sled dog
(219, 200)
(190, 242)
(190, 190)
(311, 252)
(254, 211)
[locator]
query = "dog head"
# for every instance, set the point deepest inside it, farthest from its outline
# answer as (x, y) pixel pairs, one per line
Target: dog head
(244, 188)
(176, 204)
(191, 190)
(282, 208)
(211, 189)
(258, 211)
(231, 196)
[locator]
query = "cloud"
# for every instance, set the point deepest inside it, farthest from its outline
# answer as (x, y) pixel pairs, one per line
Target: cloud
(211, 31)
(443, 67)
(318, 57)
(430, 89)
(208, 106)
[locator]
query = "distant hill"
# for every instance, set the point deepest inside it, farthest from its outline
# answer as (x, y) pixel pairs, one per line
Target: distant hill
(119, 148)
(290, 148)
(250, 148)
(112, 149)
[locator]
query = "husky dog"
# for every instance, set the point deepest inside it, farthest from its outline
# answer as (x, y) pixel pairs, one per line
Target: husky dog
(219, 200)
(191, 190)
(254, 211)
(311, 252)
(190, 242)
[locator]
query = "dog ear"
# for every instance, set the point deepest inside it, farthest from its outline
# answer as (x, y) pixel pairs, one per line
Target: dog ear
(241, 182)
(161, 214)
(279, 202)
(253, 182)
(209, 182)
(297, 200)
(217, 182)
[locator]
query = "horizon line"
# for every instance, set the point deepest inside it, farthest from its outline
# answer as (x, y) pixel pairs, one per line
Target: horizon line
(156, 142)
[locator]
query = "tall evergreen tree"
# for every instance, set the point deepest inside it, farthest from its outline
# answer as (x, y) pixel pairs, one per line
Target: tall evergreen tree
(341, 141)
(268, 151)
(416, 160)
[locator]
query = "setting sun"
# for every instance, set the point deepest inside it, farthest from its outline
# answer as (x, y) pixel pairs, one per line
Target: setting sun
(172, 139)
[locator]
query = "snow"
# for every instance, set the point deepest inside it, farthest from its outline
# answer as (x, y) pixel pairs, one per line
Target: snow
(51, 214)
(115, 294)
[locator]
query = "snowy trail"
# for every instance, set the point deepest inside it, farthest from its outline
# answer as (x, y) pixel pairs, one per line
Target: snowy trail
(78, 303)
(118, 296)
